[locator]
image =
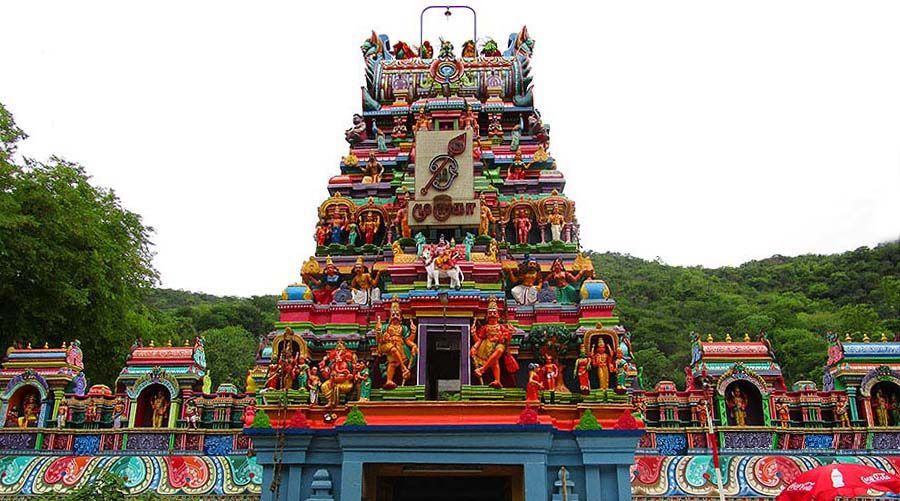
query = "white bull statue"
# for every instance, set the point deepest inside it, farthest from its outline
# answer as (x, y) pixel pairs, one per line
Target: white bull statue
(435, 272)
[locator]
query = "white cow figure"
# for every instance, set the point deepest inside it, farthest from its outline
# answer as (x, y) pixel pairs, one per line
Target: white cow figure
(434, 273)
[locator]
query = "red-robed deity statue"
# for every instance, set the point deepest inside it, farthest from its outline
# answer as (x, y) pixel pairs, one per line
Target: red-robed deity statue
(490, 347)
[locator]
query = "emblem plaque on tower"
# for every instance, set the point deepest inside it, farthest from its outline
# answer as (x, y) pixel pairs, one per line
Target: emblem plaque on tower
(444, 180)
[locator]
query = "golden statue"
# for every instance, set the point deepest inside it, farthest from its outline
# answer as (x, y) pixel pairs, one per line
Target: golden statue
(30, 409)
(487, 219)
(339, 365)
(398, 343)
(160, 405)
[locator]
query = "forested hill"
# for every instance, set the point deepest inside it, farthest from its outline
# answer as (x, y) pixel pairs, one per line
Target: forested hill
(794, 299)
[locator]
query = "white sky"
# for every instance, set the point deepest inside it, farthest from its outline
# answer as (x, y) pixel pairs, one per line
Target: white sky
(705, 133)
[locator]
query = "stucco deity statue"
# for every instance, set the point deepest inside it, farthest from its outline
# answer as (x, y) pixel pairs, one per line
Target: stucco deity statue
(191, 414)
(326, 281)
(485, 226)
(370, 223)
(516, 170)
(535, 383)
(528, 277)
(881, 408)
(469, 120)
(737, 404)
(357, 132)
(363, 286)
(62, 414)
(364, 381)
(603, 360)
(118, 413)
(373, 170)
(783, 411)
(842, 412)
(29, 415)
(552, 374)
(621, 371)
(566, 293)
(337, 367)
(489, 348)
(397, 342)
(159, 404)
(523, 225)
(556, 220)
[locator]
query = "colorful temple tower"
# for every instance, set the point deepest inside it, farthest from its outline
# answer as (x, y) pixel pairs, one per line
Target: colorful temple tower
(448, 301)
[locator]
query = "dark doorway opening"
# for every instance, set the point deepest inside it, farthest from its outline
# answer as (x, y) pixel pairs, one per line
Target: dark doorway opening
(442, 376)
(448, 488)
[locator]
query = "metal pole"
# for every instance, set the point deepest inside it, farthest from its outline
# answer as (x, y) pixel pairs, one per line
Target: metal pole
(449, 8)
(712, 431)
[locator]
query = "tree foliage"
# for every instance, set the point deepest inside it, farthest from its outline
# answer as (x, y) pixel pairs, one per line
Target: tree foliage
(796, 300)
(74, 263)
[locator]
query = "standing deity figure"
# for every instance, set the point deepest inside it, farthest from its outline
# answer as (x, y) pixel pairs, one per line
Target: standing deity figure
(401, 222)
(370, 224)
(602, 360)
(363, 286)
(118, 413)
(29, 412)
(566, 293)
(552, 375)
(352, 234)
(621, 371)
(523, 225)
(583, 372)
(249, 413)
(397, 343)
(314, 385)
(485, 226)
(737, 403)
(528, 276)
(842, 412)
(90, 412)
(364, 381)
(469, 120)
(490, 342)
(337, 367)
(535, 383)
(783, 411)
(881, 409)
(191, 414)
(357, 132)
(338, 227)
(469, 50)
(373, 170)
(322, 232)
(62, 414)
(160, 407)
(699, 412)
(556, 220)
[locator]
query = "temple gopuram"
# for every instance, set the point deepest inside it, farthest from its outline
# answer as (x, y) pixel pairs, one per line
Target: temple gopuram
(447, 339)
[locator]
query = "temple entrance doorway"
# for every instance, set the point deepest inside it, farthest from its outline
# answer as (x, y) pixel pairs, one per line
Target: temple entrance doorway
(442, 370)
(446, 482)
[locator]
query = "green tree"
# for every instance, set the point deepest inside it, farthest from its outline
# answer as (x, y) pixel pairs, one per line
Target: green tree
(74, 264)
(230, 351)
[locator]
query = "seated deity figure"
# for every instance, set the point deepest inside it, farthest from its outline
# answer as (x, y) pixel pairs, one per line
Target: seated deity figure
(326, 281)
(373, 170)
(363, 286)
(338, 370)
(528, 277)
(397, 342)
(489, 348)
(565, 282)
(357, 132)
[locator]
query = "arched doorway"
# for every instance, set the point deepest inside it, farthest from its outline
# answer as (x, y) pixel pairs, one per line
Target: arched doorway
(153, 401)
(885, 398)
(24, 408)
(743, 397)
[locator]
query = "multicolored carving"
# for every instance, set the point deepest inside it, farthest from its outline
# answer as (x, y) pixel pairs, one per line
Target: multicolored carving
(164, 475)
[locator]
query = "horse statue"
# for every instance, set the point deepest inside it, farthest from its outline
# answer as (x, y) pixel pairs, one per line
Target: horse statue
(438, 265)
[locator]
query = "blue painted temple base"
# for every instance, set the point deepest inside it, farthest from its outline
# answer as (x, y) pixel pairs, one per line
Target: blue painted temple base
(349, 459)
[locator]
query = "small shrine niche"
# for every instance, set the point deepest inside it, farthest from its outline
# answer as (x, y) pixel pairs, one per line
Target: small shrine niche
(743, 403)
(153, 406)
(885, 404)
(521, 223)
(25, 407)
